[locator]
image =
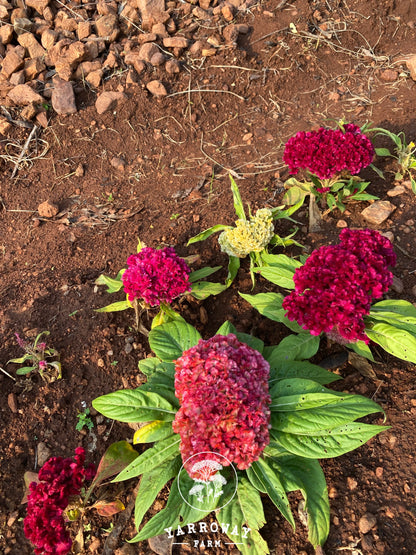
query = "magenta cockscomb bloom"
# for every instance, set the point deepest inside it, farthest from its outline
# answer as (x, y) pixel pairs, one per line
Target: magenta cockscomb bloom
(156, 275)
(328, 152)
(336, 285)
(59, 479)
(222, 387)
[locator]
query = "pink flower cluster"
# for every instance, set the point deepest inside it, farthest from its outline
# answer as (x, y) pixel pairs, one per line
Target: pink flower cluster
(327, 152)
(156, 275)
(222, 387)
(44, 524)
(336, 285)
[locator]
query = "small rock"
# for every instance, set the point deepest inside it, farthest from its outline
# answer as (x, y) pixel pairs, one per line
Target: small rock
(28, 41)
(12, 519)
(12, 402)
(107, 101)
(21, 25)
(79, 172)
(94, 545)
(172, 67)
(352, 484)
(379, 471)
(342, 223)
(63, 97)
(147, 51)
(176, 42)
(6, 34)
(11, 63)
(200, 13)
(147, 37)
(107, 27)
(42, 119)
(128, 348)
(378, 212)
(230, 34)
(32, 69)
(48, 209)
(162, 545)
(332, 493)
(5, 126)
(366, 523)
(411, 66)
(158, 59)
(38, 5)
(29, 112)
(94, 78)
(227, 12)
(48, 38)
(367, 543)
(43, 453)
(134, 59)
(118, 163)
(398, 190)
(151, 11)
(407, 184)
(101, 429)
(156, 88)
(410, 222)
(159, 30)
(397, 285)
(83, 30)
(389, 75)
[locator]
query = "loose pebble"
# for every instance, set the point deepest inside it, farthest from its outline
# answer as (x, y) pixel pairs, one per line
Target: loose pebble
(367, 522)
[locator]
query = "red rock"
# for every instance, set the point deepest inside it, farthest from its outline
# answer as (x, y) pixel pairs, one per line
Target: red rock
(147, 37)
(176, 42)
(48, 38)
(63, 97)
(107, 101)
(29, 112)
(18, 78)
(227, 12)
(156, 88)
(48, 209)
(6, 34)
(22, 95)
(42, 119)
(389, 75)
(107, 26)
(111, 61)
(38, 5)
(148, 50)
(172, 67)
(159, 30)
(94, 78)
(67, 52)
(33, 67)
(367, 522)
(11, 63)
(200, 13)
(118, 163)
(152, 11)
(134, 59)
(5, 126)
(230, 34)
(29, 42)
(132, 77)
(411, 66)
(158, 59)
(83, 29)
(22, 25)
(12, 402)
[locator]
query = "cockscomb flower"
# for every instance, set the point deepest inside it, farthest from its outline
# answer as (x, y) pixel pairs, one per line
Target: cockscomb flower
(336, 285)
(156, 275)
(59, 480)
(222, 387)
(328, 152)
(248, 236)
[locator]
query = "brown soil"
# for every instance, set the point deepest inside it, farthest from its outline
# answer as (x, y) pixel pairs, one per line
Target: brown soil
(303, 65)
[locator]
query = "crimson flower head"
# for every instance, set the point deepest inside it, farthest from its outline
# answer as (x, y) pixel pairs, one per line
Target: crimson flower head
(222, 387)
(156, 275)
(328, 152)
(59, 479)
(336, 285)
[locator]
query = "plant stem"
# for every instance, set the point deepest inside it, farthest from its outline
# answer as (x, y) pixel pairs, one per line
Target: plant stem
(315, 216)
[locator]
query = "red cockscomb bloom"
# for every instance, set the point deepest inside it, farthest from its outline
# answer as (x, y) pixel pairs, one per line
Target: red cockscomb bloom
(336, 285)
(328, 152)
(44, 524)
(222, 387)
(156, 275)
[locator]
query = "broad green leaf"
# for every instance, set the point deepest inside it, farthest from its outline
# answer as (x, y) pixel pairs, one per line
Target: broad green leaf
(294, 195)
(273, 487)
(399, 321)
(25, 370)
(149, 365)
(238, 203)
(299, 394)
(251, 341)
(150, 485)
(307, 476)
(401, 307)
(233, 267)
(383, 152)
(278, 275)
(115, 307)
(157, 384)
(341, 410)
(203, 289)
(245, 514)
(362, 196)
(134, 405)
(150, 459)
(279, 214)
(113, 285)
(168, 341)
(153, 431)
(330, 443)
(203, 273)
(207, 233)
(330, 199)
(226, 328)
(20, 360)
(294, 347)
(300, 369)
(270, 306)
(398, 342)
(361, 349)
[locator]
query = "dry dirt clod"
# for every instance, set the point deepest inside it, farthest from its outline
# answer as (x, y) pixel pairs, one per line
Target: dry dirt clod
(389, 75)
(378, 212)
(398, 190)
(118, 163)
(156, 88)
(411, 66)
(43, 453)
(367, 523)
(22, 95)
(12, 402)
(48, 209)
(108, 100)
(63, 97)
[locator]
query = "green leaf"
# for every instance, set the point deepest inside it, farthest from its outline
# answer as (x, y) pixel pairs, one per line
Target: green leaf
(413, 182)
(377, 170)
(203, 289)
(113, 285)
(150, 485)
(20, 360)
(404, 308)
(383, 152)
(362, 196)
(307, 476)
(294, 347)
(226, 328)
(273, 487)
(245, 514)
(203, 273)
(251, 341)
(294, 195)
(207, 233)
(117, 457)
(233, 267)
(300, 369)
(407, 323)
(151, 458)
(149, 365)
(361, 349)
(277, 275)
(398, 342)
(330, 199)
(327, 444)
(23, 371)
(270, 306)
(238, 203)
(169, 340)
(153, 431)
(296, 394)
(134, 405)
(115, 307)
(339, 411)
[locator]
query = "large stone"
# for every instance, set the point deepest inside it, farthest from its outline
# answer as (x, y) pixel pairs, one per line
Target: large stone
(67, 51)
(29, 41)
(107, 27)
(38, 5)
(48, 38)
(6, 34)
(378, 212)
(152, 11)
(108, 100)
(147, 51)
(22, 25)
(63, 97)
(11, 63)
(22, 95)
(33, 67)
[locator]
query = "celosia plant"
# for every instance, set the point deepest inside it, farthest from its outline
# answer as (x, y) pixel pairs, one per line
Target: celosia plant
(231, 420)
(331, 159)
(333, 293)
(154, 278)
(38, 354)
(250, 237)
